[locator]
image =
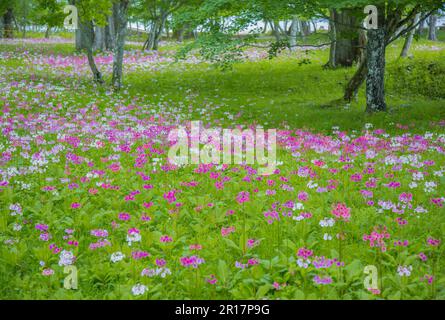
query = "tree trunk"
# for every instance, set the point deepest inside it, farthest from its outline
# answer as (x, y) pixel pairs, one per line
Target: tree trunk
(48, 30)
(356, 81)
(1, 26)
(109, 34)
(120, 14)
(87, 33)
(99, 38)
(432, 34)
(276, 30)
(409, 39)
(293, 34)
(152, 42)
(375, 78)
(333, 37)
(8, 19)
(347, 38)
(306, 28)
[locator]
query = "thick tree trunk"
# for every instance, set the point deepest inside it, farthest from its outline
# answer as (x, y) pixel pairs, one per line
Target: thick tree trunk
(375, 78)
(432, 34)
(409, 39)
(347, 38)
(8, 19)
(120, 15)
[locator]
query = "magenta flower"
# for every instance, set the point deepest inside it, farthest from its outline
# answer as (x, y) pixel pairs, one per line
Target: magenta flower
(242, 197)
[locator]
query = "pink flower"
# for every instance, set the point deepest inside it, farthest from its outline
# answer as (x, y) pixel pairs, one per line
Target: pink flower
(124, 216)
(212, 279)
(304, 253)
(226, 231)
(433, 242)
(165, 239)
(75, 205)
(341, 212)
(242, 197)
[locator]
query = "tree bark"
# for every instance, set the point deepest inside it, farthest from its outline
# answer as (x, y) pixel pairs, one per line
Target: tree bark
(409, 38)
(375, 78)
(432, 34)
(120, 15)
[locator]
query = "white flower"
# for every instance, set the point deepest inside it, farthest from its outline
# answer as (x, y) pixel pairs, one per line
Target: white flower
(133, 237)
(66, 258)
(404, 271)
(138, 289)
(117, 256)
(413, 185)
(420, 209)
(430, 186)
(16, 227)
(327, 222)
(303, 264)
(327, 237)
(417, 176)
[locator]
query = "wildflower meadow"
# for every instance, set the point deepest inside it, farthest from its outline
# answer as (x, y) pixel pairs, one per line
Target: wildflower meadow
(92, 206)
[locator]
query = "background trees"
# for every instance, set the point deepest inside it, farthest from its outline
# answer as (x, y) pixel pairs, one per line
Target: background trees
(222, 29)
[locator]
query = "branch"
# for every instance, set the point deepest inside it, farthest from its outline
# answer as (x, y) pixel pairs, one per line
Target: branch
(410, 28)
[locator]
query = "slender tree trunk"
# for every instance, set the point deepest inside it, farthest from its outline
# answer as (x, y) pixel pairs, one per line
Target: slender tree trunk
(1, 27)
(375, 79)
(293, 34)
(409, 39)
(266, 23)
(432, 34)
(152, 42)
(356, 81)
(87, 33)
(421, 27)
(120, 14)
(8, 19)
(314, 24)
(48, 30)
(276, 30)
(306, 28)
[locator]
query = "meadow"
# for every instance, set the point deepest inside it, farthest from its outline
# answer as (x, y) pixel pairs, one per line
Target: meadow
(84, 178)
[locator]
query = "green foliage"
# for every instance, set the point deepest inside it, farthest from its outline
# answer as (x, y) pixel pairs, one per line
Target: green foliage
(421, 76)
